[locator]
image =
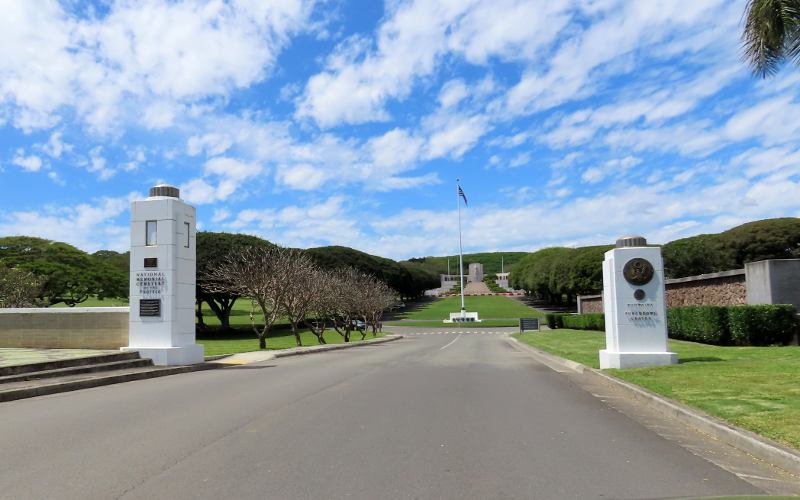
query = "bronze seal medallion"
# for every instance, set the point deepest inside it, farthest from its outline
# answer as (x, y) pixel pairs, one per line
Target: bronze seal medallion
(638, 271)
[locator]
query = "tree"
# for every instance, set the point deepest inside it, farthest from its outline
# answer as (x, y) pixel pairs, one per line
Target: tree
(19, 288)
(344, 282)
(259, 273)
(322, 309)
(300, 289)
(771, 35)
(212, 250)
(71, 275)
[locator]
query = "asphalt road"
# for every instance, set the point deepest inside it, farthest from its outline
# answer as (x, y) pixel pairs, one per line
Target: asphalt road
(430, 416)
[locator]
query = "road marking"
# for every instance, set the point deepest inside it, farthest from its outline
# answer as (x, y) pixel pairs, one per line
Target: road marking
(450, 343)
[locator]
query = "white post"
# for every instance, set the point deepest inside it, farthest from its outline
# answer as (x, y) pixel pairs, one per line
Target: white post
(634, 301)
(460, 248)
(162, 282)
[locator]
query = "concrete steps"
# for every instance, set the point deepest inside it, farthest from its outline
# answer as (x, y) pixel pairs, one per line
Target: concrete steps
(51, 377)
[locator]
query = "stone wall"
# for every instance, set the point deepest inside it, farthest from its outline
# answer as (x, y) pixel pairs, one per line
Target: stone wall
(727, 288)
(590, 304)
(65, 328)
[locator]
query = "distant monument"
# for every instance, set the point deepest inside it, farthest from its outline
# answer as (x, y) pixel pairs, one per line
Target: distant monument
(475, 273)
(162, 286)
(635, 307)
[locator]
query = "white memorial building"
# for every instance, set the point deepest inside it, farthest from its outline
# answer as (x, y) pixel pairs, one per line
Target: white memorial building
(162, 281)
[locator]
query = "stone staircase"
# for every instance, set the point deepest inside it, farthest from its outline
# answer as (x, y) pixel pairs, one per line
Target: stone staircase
(50, 377)
(476, 288)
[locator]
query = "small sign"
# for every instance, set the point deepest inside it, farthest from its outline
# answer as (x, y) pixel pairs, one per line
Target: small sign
(150, 262)
(149, 307)
(528, 324)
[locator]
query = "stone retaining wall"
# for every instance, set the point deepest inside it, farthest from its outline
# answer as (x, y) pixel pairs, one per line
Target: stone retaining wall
(67, 328)
(727, 288)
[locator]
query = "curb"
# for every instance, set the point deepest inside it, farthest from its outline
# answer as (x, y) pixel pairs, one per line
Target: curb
(749, 442)
(74, 385)
(298, 351)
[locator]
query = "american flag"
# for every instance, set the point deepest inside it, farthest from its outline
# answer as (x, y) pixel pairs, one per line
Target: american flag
(461, 194)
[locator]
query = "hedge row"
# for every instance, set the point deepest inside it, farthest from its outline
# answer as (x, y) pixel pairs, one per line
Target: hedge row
(756, 325)
(738, 325)
(590, 321)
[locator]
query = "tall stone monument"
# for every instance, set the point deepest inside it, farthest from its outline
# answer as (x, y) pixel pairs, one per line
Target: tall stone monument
(635, 306)
(162, 286)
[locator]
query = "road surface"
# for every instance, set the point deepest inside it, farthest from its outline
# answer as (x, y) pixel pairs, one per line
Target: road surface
(431, 416)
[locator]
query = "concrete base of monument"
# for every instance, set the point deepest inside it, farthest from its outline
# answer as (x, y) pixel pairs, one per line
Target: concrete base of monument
(171, 356)
(463, 317)
(609, 359)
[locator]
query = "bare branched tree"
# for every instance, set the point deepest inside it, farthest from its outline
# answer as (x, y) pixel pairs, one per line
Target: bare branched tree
(19, 288)
(344, 281)
(259, 273)
(301, 289)
(323, 304)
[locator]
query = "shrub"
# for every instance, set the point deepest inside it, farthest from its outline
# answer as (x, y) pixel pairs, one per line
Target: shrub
(762, 324)
(705, 324)
(590, 321)
(550, 318)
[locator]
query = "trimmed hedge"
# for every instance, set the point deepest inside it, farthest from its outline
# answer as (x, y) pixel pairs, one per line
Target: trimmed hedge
(762, 324)
(705, 324)
(555, 320)
(590, 321)
(756, 325)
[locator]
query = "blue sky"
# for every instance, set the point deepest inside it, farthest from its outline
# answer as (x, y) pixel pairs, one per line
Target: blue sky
(317, 123)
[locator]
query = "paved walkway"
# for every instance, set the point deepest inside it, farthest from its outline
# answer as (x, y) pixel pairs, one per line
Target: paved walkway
(13, 357)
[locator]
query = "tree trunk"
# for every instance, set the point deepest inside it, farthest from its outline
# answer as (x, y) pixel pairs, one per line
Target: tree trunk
(296, 335)
(262, 342)
(200, 321)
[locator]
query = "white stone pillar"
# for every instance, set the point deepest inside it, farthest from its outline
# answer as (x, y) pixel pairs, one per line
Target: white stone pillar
(634, 302)
(162, 286)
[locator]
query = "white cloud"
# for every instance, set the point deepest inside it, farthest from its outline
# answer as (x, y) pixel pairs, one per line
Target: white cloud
(358, 80)
(222, 178)
(149, 55)
(394, 148)
(31, 163)
(88, 226)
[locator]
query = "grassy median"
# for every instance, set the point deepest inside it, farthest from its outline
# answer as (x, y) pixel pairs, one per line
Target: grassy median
(244, 340)
(756, 388)
(493, 310)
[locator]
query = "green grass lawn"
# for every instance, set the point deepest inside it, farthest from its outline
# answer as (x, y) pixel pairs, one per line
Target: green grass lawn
(240, 315)
(756, 388)
(244, 340)
(503, 311)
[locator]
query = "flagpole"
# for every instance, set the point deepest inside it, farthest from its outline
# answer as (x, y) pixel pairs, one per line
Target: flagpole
(460, 248)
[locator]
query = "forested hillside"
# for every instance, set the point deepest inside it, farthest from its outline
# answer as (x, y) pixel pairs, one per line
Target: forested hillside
(491, 261)
(559, 273)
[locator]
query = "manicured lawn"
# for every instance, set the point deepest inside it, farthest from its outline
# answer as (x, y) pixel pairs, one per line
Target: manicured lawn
(242, 340)
(493, 307)
(757, 388)
(240, 315)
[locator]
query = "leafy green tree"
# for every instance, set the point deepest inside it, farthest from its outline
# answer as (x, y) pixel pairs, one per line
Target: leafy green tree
(71, 275)
(586, 269)
(213, 249)
(694, 255)
(771, 35)
(760, 240)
